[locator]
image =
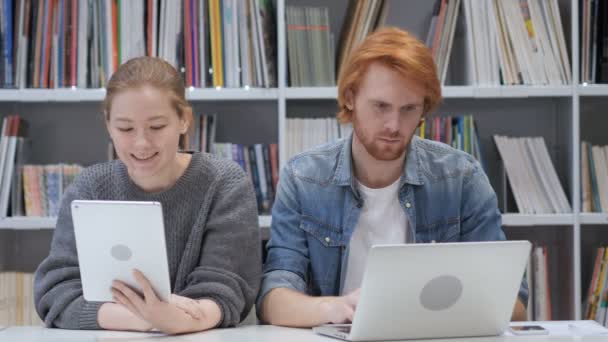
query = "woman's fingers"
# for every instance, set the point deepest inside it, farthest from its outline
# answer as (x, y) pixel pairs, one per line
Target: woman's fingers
(149, 294)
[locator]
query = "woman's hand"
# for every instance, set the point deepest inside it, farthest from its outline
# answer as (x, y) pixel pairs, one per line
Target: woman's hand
(179, 315)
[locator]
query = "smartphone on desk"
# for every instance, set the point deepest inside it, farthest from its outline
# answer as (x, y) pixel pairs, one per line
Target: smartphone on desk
(529, 330)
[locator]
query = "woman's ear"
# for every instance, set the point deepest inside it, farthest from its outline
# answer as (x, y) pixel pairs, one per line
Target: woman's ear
(185, 120)
(106, 119)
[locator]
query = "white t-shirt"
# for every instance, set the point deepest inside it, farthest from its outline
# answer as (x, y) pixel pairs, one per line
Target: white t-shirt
(382, 221)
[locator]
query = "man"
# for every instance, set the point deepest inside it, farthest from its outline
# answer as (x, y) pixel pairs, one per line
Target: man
(382, 185)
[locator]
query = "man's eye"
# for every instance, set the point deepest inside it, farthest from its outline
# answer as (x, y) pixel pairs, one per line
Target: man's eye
(380, 106)
(125, 129)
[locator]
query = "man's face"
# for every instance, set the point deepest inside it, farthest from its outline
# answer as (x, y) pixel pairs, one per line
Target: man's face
(386, 112)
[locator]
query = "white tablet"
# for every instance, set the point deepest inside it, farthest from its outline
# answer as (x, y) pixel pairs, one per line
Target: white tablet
(115, 237)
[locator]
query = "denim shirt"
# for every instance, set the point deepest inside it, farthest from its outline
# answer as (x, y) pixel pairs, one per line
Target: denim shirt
(444, 193)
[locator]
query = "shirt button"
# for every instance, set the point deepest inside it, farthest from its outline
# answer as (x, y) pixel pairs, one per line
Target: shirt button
(407, 204)
(327, 239)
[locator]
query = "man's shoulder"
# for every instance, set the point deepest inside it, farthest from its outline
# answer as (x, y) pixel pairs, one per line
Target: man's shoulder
(317, 164)
(440, 161)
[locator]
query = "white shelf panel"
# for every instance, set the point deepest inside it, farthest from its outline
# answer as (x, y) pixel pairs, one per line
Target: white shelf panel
(28, 223)
(329, 93)
(455, 92)
(222, 94)
(49, 222)
(97, 95)
(316, 93)
(52, 95)
(594, 218)
(505, 91)
(522, 91)
(265, 220)
(464, 92)
(593, 90)
(513, 220)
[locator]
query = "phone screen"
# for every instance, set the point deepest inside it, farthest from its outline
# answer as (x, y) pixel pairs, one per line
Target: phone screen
(527, 327)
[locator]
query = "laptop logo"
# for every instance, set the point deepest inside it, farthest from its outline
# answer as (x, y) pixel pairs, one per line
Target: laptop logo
(121, 252)
(441, 293)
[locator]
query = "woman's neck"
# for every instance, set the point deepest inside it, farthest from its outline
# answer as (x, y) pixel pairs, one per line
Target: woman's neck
(167, 177)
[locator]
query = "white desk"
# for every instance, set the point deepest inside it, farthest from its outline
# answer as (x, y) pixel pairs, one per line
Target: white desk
(242, 334)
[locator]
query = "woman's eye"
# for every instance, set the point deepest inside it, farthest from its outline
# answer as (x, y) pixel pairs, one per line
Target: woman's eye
(125, 129)
(156, 128)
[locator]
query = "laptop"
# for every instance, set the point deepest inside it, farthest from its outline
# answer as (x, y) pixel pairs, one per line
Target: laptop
(437, 290)
(115, 237)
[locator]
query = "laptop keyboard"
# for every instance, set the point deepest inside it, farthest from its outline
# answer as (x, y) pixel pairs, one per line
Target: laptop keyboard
(345, 330)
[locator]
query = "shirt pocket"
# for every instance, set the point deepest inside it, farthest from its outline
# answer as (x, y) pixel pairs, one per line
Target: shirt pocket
(444, 230)
(325, 246)
(325, 234)
(450, 231)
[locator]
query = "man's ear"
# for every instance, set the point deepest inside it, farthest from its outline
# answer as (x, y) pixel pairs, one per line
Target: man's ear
(349, 99)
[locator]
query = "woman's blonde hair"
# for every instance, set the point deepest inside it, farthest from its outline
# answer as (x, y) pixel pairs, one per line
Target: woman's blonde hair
(154, 72)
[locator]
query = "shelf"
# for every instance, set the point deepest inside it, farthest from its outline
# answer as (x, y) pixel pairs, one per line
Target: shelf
(316, 93)
(513, 220)
(52, 95)
(28, 223)
(593, 90)
(24, 223)
(330, 93)
(223, 94)
(506, 91)
(97, 95)
(265, 220)
(594, 218)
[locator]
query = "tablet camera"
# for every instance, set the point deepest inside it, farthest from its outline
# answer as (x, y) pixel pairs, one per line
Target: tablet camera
(121, 252)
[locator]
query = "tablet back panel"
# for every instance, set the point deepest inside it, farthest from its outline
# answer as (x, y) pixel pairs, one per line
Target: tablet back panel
(115, 237)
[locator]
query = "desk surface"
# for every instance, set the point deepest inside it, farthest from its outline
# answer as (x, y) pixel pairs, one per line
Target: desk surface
(242, 334)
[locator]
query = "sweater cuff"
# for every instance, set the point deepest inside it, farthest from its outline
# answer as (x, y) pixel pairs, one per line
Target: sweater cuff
(222, 309)
(88, 316)
(225, 319)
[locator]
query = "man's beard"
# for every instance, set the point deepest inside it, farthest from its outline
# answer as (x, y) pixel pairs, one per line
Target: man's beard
(388, 152)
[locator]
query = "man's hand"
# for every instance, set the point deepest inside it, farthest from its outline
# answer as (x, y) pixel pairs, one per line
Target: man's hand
(179, 315)
(340, 309)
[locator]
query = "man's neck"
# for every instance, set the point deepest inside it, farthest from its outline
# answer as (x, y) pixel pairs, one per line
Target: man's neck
(374, 173)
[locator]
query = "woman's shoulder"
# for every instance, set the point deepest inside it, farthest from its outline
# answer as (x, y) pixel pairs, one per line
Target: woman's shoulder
(97, 174)
(219, 168)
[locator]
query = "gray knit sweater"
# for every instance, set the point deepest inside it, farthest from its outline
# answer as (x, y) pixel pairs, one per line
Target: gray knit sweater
(211, 230)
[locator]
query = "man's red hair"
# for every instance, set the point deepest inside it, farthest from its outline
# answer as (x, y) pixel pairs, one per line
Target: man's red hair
(398, 50)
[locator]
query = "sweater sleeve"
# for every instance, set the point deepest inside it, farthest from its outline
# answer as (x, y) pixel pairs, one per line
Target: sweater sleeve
(57, 285)
(229, 269)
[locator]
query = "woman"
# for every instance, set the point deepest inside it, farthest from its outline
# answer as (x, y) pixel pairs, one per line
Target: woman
(209, 211)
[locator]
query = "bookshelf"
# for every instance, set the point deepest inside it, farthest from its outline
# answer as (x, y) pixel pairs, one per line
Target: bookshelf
(449, 92)
(33, 223)
(97, 95)
(509, 220)
(66, 126)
